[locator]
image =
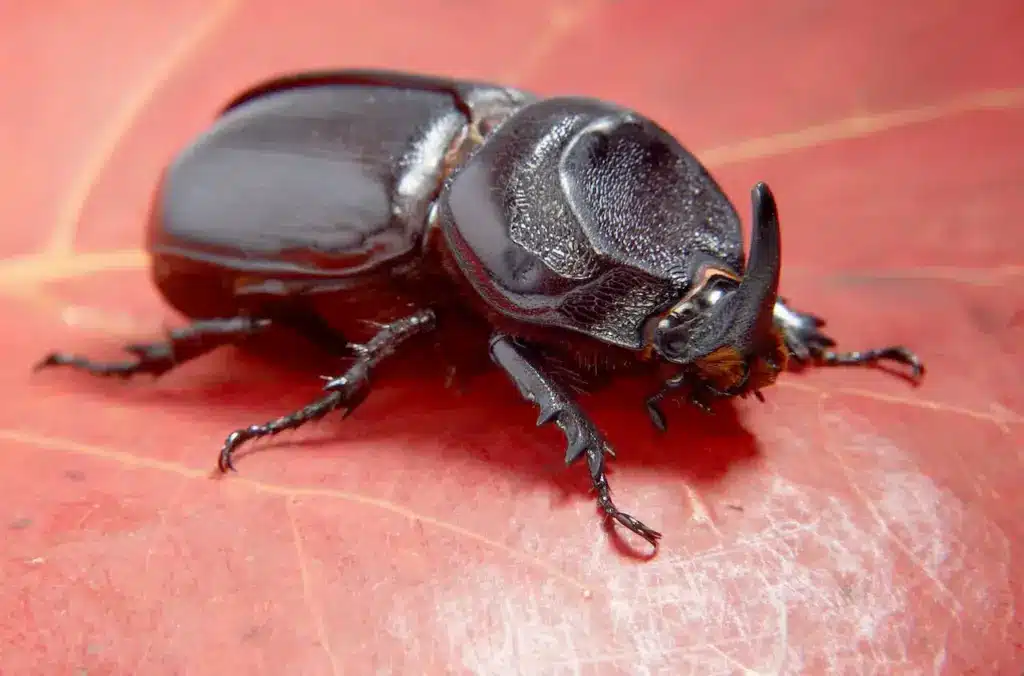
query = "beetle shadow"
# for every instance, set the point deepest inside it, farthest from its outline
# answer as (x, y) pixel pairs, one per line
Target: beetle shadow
(699, 449)
(479, 405)
(478, 414)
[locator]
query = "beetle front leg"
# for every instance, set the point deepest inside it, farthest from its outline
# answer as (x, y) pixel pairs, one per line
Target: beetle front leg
(182, 345)
(807, 343)
(581, 434)
(343, 392)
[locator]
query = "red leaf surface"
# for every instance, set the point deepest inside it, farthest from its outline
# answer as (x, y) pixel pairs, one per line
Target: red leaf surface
(852, 524)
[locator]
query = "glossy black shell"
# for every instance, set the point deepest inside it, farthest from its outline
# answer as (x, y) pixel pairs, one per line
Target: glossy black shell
(585, 215)
(569, 213)
(310, 184)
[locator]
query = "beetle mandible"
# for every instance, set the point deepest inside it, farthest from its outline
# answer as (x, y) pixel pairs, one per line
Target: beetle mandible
(573, 230)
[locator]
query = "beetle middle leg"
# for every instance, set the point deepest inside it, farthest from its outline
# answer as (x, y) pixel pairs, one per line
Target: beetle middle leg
(346, 391)
(580, 432)
(807, 343)
(182, 345)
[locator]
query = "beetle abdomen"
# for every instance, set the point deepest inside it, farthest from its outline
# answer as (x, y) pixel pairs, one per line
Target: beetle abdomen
(324, 181)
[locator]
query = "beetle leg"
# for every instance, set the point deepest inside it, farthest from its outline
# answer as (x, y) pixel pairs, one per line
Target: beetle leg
(807, 343)
(346, 391)
(655, 413)
(580, 432)
(182, 345)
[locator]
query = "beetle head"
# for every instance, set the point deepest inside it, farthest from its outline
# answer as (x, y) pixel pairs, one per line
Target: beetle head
(723, 330)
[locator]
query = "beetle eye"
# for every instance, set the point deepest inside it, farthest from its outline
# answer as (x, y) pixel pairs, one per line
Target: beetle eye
(715, 290)
(714, 295)
(685, 314)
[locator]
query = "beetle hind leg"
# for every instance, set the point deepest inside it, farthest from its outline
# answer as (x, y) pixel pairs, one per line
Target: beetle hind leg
(582, 436)
(345, 392)
(807, 343)
(157, 358)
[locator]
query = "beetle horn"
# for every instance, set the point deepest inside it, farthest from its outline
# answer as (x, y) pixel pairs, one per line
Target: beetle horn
(755, 298)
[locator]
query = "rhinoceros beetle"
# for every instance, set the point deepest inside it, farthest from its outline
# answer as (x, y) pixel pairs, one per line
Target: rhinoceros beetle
(575, 231)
